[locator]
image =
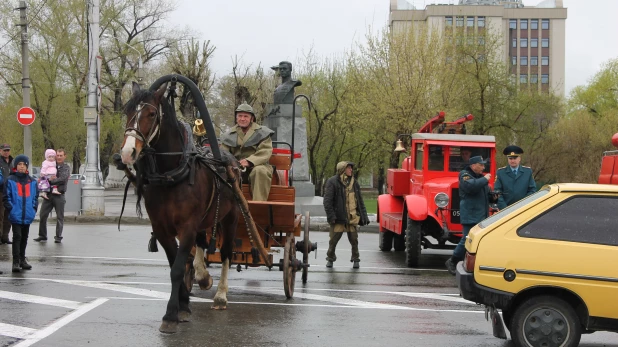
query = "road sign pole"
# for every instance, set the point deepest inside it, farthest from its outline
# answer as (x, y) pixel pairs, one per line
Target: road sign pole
(25, 81)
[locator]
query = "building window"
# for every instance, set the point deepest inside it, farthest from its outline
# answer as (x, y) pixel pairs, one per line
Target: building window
(470, 21)
(513, 79)
(534, 79)
(481, 40)
(544, 79)
(513, 24)
(545, 43)
(459, 22)
(480, 22)
(545, 24)
(523, 43)
(534, 61)
(544, 61)
(523, 24)
(514, 60)
(514, 43)
(534, 24)
(523, 61)
(523, 79)
(534, 43)
(449, 21)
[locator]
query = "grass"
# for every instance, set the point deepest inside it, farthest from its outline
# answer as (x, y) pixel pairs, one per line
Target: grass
(371, 202)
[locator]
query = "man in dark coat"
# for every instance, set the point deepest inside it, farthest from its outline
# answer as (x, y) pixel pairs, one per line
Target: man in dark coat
(6, 163)
(514, 181)
(345, 211)
(474, 199)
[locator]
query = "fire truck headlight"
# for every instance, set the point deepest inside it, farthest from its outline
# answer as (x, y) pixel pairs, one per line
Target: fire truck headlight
(441, 200)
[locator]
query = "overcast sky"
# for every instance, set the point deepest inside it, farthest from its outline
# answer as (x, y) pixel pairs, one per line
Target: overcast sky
(269, 31)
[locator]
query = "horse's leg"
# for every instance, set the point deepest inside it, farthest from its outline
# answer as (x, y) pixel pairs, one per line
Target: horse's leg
(179, 291)
(228, 231)
(202, 276)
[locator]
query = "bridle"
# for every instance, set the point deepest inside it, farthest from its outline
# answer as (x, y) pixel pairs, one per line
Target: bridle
(155, 127)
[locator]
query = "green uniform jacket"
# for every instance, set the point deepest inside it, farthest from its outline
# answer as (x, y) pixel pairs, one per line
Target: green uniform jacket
(474, 196)
(513, 188)
(255, 146)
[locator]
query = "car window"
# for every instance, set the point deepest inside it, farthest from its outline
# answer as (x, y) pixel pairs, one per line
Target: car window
(436, 158)
(418, 159)
(459, 156)
(587, 219)
(525, 201)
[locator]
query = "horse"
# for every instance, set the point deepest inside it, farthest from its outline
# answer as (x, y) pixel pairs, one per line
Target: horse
(181, 196)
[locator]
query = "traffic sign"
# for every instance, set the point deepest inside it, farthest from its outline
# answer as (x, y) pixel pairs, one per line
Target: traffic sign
(25, 116)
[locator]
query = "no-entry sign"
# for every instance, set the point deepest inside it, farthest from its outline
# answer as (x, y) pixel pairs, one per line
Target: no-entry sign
(25, 116)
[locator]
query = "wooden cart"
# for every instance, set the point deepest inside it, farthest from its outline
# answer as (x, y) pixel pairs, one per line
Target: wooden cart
(278, 226)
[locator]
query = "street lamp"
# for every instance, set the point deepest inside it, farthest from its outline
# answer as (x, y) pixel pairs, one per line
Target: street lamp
(139, 62)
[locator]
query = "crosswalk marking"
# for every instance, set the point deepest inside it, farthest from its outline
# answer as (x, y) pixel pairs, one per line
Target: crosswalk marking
(34, 299)
(15, 331)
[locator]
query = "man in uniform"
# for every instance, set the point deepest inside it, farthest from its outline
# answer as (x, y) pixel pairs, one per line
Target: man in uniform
(474, 199)
(251, 144)
(514, 181)
(345, 211)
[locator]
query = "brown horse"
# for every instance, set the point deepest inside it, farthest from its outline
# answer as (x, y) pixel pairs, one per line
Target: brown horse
(181, 196)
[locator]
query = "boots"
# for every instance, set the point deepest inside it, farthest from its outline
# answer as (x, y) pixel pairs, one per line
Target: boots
(55, 191)
(329, 263)
(16, 267)
(356, 264)
(24, 264)
(44, 195)
(450, 266)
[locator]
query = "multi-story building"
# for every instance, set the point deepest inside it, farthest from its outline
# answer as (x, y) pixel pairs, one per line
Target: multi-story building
(534, 37)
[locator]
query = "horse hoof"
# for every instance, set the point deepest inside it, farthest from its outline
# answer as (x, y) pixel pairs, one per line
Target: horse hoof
(205, 283)
(183, 316)
(168, 327)
(219, 304)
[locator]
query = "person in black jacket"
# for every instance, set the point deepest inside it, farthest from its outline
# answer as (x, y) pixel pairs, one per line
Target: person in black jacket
(345, 211)
(6, 164)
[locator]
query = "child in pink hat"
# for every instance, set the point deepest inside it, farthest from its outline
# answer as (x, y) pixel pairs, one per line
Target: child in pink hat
(48, 170)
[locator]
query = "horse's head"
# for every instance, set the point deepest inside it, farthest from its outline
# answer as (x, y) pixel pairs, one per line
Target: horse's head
(144, 116)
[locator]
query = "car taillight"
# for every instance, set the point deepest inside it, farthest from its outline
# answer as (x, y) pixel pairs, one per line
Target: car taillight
(469, 261)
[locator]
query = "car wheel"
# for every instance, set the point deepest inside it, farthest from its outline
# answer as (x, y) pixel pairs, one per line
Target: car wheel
(413, 243)
(399, 241)
(545, 321)
(386, 241)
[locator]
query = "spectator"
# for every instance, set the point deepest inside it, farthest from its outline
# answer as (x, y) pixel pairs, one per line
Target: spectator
(55, 201)
(345, 211)
(48, 170)
(6, 162)
(21, 200)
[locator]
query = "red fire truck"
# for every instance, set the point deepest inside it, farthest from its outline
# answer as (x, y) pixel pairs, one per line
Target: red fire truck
(609, 165)
(421, 207)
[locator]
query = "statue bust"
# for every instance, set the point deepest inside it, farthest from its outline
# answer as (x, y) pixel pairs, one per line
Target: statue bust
(284, 93)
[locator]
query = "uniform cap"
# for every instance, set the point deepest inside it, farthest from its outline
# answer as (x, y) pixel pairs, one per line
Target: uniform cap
(477, 160)
(513, 151)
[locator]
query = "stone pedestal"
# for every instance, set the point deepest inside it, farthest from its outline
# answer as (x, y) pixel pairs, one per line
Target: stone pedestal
(279, 119)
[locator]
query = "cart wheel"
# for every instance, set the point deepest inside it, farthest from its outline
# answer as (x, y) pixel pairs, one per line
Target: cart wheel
(189, 276)
(307, 245)
(289, 274)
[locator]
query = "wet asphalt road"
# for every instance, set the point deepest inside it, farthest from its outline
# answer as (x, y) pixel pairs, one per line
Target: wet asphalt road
(101, 287)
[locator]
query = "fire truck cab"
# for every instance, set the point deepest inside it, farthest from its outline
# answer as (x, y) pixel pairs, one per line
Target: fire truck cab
(421, 207)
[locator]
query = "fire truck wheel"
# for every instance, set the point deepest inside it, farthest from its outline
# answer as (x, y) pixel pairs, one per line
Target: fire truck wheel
(386, 241)
(413, 243)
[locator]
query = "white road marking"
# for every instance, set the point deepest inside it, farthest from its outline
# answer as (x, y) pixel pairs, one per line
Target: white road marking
(34, 299)
(55, 326)
(312, 265)
(15, 331)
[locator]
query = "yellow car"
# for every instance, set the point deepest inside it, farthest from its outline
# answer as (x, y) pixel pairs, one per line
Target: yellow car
(550, 263)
